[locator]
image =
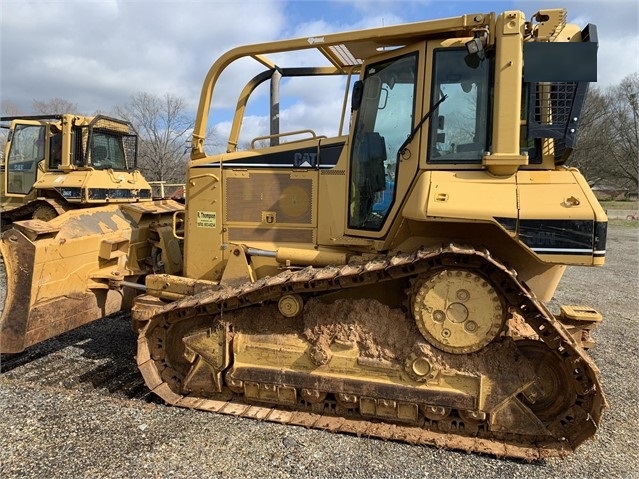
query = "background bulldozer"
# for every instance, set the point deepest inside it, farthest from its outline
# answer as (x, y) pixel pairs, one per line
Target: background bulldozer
(54, 163)
(65, 181)
(388, 280)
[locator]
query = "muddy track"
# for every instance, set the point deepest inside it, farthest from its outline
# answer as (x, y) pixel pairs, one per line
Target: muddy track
(570, 427)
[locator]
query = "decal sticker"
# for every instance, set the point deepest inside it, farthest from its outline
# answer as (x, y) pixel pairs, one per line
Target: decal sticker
(206, 219)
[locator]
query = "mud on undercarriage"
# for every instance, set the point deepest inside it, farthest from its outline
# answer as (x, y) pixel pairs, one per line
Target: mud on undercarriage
(359, 366)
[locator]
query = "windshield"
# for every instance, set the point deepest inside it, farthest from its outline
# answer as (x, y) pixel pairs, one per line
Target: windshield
(459, 133)
(107, 151)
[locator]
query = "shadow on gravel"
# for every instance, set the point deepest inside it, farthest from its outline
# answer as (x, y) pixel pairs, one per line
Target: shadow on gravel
(96, 356)
(108, 337)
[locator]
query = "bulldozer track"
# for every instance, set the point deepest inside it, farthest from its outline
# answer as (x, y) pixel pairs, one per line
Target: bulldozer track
(569, 428)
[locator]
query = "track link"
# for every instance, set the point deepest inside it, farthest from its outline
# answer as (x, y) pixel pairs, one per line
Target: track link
(569, 427)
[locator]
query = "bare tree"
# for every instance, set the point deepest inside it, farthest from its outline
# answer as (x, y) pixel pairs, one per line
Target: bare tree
(164, 128)
(607, 149)
(624, 112)
(588, 155)
(9, 108)
(54, 106)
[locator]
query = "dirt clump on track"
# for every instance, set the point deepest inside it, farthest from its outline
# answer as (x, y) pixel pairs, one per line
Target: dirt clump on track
(379, 331)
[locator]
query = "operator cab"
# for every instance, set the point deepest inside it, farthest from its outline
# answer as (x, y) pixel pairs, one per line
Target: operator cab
(388, 118)
(55, 155)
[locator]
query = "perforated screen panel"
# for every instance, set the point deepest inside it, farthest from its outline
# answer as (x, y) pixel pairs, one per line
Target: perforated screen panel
(249, 198)
(271, 235)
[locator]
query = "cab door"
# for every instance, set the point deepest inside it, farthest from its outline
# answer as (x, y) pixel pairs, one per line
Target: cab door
(382, 165)
(26, 149)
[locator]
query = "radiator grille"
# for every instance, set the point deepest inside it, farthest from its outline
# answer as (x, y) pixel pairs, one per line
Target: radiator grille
(290, 199)
(333, 172)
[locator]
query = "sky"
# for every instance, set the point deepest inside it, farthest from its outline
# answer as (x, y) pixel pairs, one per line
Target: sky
(96, 54)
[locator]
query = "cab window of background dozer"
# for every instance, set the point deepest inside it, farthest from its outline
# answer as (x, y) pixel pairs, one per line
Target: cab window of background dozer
(107, 151)
(55, 151)
(27, 149)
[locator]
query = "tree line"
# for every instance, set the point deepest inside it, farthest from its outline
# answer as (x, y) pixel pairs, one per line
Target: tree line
(607, 144)
(606, 150)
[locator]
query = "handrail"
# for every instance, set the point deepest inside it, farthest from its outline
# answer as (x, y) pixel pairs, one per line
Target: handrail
(289, 133)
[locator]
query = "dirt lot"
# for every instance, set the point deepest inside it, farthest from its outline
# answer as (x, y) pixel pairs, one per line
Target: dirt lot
(75, 406)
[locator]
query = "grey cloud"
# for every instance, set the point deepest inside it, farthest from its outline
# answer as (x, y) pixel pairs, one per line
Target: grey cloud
(97, 54)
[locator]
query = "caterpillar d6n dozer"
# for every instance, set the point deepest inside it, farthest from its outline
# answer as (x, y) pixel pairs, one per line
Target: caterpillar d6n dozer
(77, 206)
(391, 280)
(55, 163)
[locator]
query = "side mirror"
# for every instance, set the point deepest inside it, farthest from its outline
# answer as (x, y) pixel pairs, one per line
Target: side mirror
(476, 47)
(440, 122)
(476, 53)
(358, 92)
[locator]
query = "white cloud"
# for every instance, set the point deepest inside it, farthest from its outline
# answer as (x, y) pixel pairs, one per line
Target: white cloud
(98, 53)
(617, 58)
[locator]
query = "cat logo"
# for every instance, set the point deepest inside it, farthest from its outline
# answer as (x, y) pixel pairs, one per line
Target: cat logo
(304, 160)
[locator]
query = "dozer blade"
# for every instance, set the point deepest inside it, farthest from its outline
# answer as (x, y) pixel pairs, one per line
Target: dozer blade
(16, 309)
(67, 272)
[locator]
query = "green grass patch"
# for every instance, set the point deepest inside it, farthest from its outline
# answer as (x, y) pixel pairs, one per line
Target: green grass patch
(623, 223)
(619, 205)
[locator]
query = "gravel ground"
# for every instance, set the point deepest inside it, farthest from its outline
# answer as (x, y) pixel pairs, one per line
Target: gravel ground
(75, 407)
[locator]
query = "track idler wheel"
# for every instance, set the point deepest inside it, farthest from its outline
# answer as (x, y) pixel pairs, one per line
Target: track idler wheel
(44, 212)
(457, 311)
(552, 391)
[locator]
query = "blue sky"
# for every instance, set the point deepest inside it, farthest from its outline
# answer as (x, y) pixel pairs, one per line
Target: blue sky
(97, 53)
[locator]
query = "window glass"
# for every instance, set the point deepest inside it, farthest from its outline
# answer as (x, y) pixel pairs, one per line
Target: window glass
(107, 151)
(384, 120)
(459, 130)
(55, 151)
(27, 149)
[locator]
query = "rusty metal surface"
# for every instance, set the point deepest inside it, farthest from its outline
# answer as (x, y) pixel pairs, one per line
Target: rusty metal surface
(567, 429)
(67, 272)
(23, 323)
(17, 251)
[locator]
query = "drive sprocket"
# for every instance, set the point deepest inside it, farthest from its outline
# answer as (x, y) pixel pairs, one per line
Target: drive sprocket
(457, 311)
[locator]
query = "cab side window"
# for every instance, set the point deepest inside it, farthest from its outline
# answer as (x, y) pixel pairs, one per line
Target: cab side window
(55, 151)
(26, 151)
(459, 130)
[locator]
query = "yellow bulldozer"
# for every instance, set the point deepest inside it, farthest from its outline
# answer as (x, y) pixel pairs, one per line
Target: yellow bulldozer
(389, 280)
(54, 163)
(68, 177)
